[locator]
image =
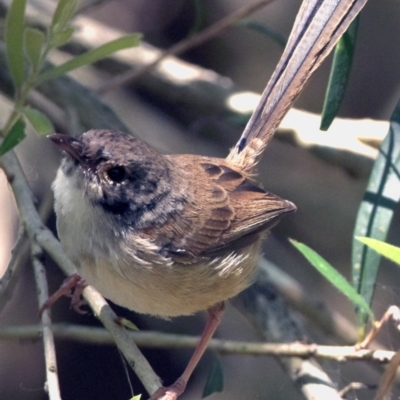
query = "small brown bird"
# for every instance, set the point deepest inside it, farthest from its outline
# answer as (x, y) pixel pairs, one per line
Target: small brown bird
(165, 235)
(171, 235)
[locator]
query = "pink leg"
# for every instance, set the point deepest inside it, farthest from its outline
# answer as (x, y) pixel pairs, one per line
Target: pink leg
(77, 300)
(176, 389)
(66, 289)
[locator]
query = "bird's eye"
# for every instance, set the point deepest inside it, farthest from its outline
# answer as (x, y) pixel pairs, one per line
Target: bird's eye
(116, 174)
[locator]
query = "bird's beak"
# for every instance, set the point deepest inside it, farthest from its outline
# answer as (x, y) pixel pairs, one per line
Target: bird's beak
(69, 144)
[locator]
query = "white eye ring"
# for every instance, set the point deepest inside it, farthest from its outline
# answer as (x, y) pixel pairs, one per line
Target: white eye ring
(116, 174)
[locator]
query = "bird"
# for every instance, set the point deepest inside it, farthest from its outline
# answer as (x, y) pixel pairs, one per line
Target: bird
(171, 235)
(165, 235)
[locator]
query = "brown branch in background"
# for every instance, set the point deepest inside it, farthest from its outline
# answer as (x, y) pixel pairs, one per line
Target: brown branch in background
(184, 45)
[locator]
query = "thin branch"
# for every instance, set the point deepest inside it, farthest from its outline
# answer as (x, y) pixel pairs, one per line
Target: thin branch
(101, 336)
(386, 383)
(184, 45)
(393, 312)
(52, 384)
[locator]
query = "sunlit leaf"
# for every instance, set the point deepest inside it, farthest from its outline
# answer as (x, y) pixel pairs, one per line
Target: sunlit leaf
(93, 56)
(15, 135)
(33, 40)
(215, 378)
(14, 34)
(376, 212)
(384, 249)
(340, 73)
(137, 397)
(334, 277)
(38, 120)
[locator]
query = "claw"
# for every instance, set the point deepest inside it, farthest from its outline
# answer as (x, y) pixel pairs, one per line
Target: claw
(66, 289)
(171, 392)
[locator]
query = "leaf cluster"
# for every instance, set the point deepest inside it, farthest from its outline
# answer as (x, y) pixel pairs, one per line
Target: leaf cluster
(27, 49)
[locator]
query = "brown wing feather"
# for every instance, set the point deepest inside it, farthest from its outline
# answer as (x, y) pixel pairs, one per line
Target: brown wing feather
(231, 214)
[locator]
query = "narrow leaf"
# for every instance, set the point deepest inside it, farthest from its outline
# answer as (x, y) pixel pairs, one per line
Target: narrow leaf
(39, 121)
(33, 41)
(64, 12)
(93, 56)
(265, 30)
(340, 73)
(16, 134)
(126, 323)
(334, 277)
(137, 397)
(199, 16)
(376, 212)
(60, 38)
(215, 379)
(14, 34)
(384, 249)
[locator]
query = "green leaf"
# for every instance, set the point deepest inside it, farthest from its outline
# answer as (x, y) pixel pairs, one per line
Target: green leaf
(33, 41)
(376, 212)
(265, 30)
(14, 34)
(384, 249)
(16, 134)
(92, 56)
(334, 277)
(63, 14)
(215, 379)
(340, 73)
(199, 16)
(126, 323)
(137, 397)
(39, 121)
(60, 38)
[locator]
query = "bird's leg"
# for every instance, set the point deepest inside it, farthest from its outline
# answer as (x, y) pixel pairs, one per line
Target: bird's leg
(73, 287)
(176, 389)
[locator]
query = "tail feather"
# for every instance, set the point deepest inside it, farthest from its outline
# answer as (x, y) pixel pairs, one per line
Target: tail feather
(318, 26)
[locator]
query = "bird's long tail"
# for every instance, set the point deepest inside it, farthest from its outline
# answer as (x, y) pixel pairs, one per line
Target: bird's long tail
(317, 28)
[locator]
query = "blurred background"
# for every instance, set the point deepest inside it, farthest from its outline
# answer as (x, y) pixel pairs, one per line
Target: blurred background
(326, 190)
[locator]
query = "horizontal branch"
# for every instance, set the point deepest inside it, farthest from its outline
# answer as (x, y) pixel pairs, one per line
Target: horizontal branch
(101, 336)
